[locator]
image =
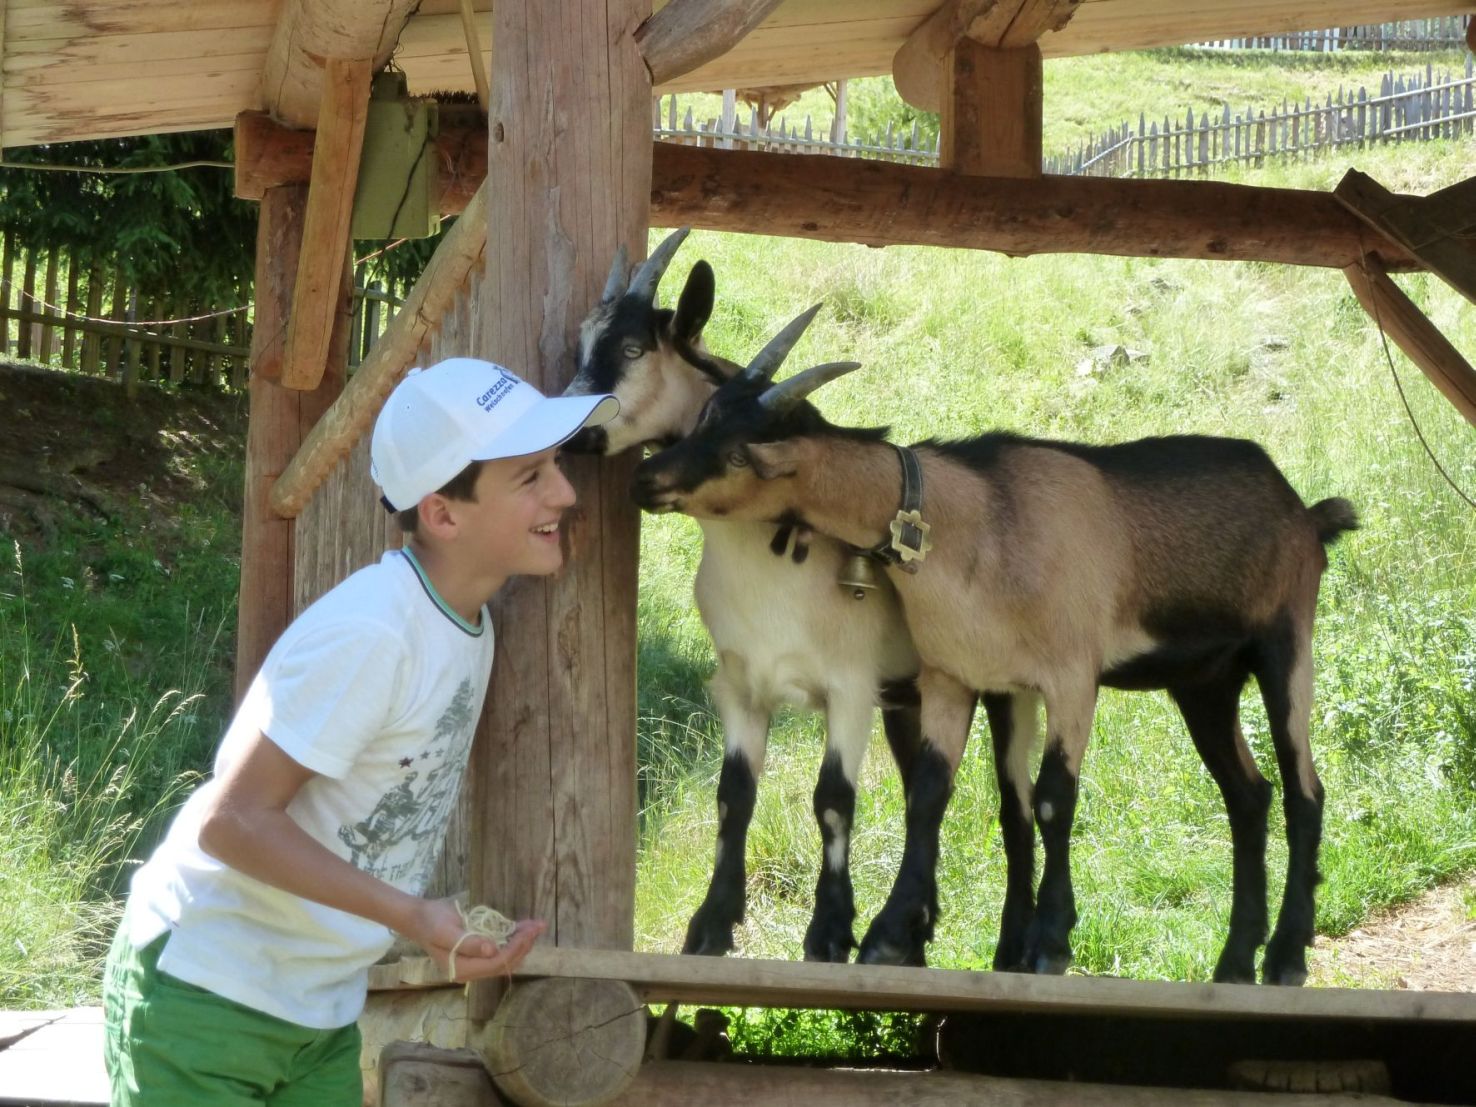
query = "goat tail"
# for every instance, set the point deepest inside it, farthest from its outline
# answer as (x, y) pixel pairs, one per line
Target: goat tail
(1332, 517)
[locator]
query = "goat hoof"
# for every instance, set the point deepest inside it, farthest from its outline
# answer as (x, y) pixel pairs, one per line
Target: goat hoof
(708, 941)
(837, 951)
(1051, 964)
(886, 953)
(1285, 964)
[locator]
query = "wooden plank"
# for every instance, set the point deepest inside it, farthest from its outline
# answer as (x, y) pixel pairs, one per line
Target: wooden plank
(295, 81)
(884, 204)
(685, 34)
(353, 412)
(1423, 226)
(555, 773)
(325, 236)
(1419, 338)
(474, 53)
(57, 1060)
(743, 981)
(991, 124)
(681, 1083)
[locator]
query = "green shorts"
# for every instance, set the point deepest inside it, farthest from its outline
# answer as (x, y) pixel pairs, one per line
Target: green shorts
(171, 1043)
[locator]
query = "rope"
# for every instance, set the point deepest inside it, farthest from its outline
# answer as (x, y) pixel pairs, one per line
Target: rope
(483, 922)
(52, 168)
(1399, 386)
(63, 312)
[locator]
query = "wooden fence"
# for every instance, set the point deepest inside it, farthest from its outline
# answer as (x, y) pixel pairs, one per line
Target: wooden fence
(1411, 108)
(64, 311)
(1406, 109)
(1443, 33)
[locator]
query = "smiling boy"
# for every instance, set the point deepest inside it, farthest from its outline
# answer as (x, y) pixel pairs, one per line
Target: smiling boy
(242, 960)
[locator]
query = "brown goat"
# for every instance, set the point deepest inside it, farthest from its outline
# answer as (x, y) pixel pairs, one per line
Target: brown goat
(1184, 563)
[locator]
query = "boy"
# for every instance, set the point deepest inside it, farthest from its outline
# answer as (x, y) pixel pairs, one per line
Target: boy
(241, 963)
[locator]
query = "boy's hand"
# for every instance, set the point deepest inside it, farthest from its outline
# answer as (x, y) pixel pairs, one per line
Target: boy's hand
(438, 927)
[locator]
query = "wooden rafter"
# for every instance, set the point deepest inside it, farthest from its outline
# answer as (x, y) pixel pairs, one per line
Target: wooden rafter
(309, 31)
(919, 66)
(1399, 318)
(1439, 229)
(688, 33)
(325, 239)
(883, 204)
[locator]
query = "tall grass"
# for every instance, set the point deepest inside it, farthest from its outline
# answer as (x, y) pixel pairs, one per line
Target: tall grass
(956, 342)
(84, 787)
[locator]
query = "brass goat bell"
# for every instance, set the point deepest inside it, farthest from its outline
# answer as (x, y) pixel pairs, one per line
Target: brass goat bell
(859, 576)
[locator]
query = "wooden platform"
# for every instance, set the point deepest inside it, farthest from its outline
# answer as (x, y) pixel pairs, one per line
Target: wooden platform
(52, 1057)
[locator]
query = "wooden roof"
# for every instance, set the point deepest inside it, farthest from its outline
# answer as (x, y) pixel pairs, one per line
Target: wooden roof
(81, 69)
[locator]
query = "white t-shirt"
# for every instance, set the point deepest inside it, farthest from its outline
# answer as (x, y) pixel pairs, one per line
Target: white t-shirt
(376, 688)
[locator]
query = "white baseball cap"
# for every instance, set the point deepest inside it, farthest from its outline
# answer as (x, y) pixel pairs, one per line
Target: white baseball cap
(439, 420)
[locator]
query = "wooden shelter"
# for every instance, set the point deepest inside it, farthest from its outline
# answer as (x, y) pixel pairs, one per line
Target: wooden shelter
(561, 171)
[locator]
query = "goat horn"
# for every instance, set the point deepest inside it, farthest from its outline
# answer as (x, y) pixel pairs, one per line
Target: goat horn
(786, 394)
(649, 275)
(615, 284)
(772, 356)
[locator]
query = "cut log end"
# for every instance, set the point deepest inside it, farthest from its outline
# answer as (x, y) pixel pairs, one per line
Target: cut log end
(566, 1042)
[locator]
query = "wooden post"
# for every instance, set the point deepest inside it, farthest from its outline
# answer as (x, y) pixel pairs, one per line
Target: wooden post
(279, 419)
(69, 332)
(7, 294)
(92, 343)
(554, 770)
(991, 124)
(25, 333)
(48, 336)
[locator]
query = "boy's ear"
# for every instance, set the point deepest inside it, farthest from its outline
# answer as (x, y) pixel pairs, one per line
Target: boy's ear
(774, 459)
(436, 518)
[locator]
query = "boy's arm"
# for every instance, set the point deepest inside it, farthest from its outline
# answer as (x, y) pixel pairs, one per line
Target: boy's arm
(247, 827)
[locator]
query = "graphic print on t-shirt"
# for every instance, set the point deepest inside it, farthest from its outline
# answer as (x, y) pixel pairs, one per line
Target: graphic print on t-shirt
(416, 810)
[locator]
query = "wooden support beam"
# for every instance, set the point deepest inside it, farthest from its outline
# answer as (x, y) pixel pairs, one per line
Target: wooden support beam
(991, 125)
(1426, 226)
(308, 32)
(474, 53)
(355, 410)
(919, 68)
(883, 204)
(325, 237)
(1419, 338)
(277, 421)
(553, 773)
(688, 33)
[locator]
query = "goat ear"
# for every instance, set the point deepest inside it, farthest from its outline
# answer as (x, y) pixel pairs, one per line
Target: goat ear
(694, 307)
(774, 459)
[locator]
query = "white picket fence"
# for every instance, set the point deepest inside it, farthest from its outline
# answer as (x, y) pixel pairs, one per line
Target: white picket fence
(1442, 33)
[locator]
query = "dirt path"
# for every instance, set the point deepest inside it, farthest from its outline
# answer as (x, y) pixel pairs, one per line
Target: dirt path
(1427, 945)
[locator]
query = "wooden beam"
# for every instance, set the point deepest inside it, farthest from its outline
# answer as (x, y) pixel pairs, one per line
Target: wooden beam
(688, 33)
(919, 65)
(1419, 338)
(392, 355)
(554, 773)
(753, 982)
(277, 421)
(991, 124)
(883, 204)
(474, 53)
(1425, 226)
(325, 236)
(308, 32)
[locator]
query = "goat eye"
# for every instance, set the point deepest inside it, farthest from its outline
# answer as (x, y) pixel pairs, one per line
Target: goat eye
(632, 351)
(738, 459)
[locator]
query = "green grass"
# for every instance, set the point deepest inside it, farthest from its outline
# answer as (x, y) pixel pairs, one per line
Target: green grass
(957, 342)
(91, 766)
